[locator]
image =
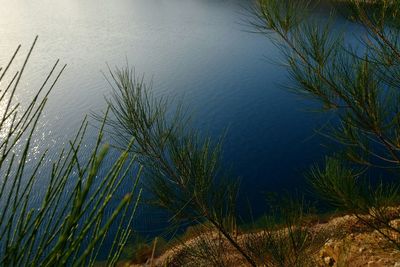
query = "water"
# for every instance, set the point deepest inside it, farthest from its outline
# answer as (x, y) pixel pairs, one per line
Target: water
(198, 49)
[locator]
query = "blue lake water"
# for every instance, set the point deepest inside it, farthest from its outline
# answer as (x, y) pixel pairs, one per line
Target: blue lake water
(200, 50)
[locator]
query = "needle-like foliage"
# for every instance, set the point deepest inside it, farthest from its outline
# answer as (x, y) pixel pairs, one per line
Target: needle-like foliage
(285, 239)
(183, 171)
(359, 82)
(64, 222)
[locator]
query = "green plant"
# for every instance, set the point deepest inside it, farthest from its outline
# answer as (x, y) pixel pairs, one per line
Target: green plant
(360, 86)
(183, 171)
(286, 239)
(69, 226)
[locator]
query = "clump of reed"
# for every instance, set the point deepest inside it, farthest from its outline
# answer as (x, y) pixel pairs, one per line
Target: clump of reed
(67, 224)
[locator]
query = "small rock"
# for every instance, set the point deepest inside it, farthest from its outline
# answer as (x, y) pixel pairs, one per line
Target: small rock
(395, 223)
(362, 249)
(329, 261)
(397, 264)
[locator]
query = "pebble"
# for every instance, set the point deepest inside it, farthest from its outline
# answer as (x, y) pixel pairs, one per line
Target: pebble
(329, 261)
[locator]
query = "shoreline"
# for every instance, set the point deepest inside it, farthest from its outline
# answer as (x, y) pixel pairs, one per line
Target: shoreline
(348, 243)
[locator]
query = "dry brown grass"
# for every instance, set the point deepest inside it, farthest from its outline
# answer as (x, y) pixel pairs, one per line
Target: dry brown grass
(349, 243)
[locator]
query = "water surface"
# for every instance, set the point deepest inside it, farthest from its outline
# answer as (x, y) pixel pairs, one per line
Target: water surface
(196, 49)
